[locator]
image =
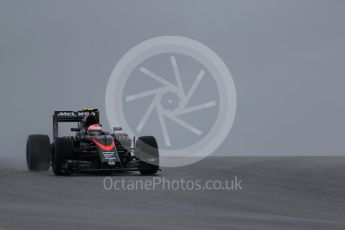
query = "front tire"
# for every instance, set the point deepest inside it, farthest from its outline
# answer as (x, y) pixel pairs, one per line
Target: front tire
(38, 152)
(63, 151)
(147, 155)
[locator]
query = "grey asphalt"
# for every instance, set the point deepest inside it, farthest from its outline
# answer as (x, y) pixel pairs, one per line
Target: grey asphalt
(277, 193)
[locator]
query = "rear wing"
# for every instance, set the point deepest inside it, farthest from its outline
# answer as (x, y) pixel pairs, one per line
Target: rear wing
(70, 116)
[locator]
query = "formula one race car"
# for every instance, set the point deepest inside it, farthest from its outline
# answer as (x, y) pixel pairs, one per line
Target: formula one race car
(91, 149)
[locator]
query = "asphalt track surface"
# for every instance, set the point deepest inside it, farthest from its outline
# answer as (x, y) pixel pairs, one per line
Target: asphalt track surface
(277, 193)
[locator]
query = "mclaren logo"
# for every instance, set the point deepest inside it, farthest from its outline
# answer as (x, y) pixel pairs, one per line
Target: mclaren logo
(74, 114)
(66, 114)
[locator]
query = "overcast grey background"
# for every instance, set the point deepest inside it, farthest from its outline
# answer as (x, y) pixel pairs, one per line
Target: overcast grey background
(286, 57)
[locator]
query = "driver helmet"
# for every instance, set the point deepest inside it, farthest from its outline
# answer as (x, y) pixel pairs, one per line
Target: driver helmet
(94, 130)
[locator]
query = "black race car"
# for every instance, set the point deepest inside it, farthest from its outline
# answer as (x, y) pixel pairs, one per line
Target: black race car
(90, 149)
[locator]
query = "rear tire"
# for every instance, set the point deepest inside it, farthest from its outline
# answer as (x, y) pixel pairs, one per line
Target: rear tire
(147, 155)
(38, 152)
(63, 151)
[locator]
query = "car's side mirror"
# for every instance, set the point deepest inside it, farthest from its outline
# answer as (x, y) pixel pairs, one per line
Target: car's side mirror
(117, 129)
(75, 129)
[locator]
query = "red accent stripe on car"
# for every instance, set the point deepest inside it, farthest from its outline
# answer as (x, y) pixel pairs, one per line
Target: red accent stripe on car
(104, 147)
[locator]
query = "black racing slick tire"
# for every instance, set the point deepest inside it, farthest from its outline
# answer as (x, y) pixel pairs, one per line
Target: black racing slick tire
(38, 152)
(62, 152)
(147, 155)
